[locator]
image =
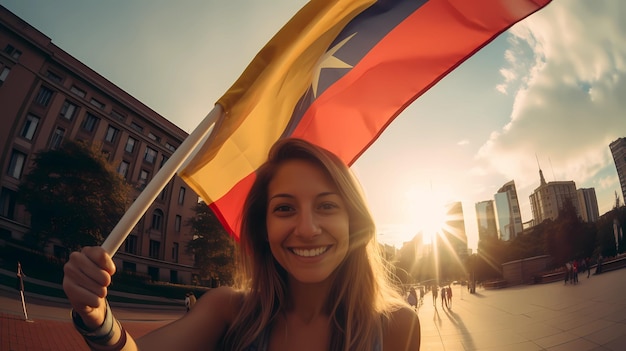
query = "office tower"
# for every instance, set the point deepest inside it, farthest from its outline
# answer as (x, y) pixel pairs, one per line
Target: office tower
(588, 204)
(508, 215)
(618, 149)
(548, 199)
(486, 220)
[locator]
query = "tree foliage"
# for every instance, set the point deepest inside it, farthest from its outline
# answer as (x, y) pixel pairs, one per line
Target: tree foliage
(212, 247)
(74, 195)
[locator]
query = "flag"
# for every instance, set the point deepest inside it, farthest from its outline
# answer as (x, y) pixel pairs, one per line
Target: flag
(337, 74)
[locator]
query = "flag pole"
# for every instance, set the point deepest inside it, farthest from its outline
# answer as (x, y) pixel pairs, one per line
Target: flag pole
(160, 180)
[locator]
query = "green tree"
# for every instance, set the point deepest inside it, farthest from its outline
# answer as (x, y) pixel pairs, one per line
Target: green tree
(74, 195)
(212, 247)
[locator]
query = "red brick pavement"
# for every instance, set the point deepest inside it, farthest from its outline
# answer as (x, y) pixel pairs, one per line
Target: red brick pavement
(16, 334)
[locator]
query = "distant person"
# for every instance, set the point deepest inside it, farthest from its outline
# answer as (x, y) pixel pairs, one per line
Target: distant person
(599, 265)
(449, 296)
(421, 302)
(588, 265)
(412, 299)
(444, 300)
(435, 292)
(192, 300)
(187, 302)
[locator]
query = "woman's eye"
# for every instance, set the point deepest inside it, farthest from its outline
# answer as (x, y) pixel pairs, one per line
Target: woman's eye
(282, 208)
(328, 206)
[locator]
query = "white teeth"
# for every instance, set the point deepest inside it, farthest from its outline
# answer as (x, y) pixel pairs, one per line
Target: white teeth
(310, 253)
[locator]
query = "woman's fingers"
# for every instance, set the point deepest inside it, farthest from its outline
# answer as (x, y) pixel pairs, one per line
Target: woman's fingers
(87, 275)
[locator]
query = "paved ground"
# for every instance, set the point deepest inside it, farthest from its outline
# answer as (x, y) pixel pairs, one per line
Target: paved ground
(587, 316)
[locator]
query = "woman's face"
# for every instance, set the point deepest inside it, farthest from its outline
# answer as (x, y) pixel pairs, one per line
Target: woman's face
(307, 222)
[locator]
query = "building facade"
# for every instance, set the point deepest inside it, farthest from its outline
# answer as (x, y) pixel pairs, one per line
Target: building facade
(618, 149)
(486, 220)
(548, 199)
(507, 210)
(47, 97)
(588, 203)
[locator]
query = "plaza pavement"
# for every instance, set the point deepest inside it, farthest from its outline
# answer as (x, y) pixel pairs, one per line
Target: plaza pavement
(555, 316)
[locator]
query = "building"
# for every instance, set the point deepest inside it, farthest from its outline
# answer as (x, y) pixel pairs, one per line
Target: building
(454, 229)
(588, 203)
(508, 215)
(548, 199)
(46, 97)
(486, 220)
(618, 149)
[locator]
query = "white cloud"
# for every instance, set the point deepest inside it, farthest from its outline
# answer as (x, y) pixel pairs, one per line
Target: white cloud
(570, 94)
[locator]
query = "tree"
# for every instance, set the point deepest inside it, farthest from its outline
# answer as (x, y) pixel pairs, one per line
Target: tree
(74, 195)
(212, 247)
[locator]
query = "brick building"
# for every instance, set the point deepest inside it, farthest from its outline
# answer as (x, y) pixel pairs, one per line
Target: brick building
(46, 97)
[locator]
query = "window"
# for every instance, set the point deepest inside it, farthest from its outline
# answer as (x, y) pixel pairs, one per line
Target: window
(68, 110)
(154, 137)
(90, 122)
(122, 169)
(54, 77)
(177, 222)
(130, 245)
(155, 247)
(181, 196)
(13, 52)
(43, 96)
(130, 145)
(157, 219)
(129, 266)
(77, 91)
(117, 115)
(170, 147)
(7, 203)
(97, 103)
(57, 138)
(163, 160)
(4, 73)
(16, 165)
(30, 126)
(136, 127)
(150, 155)
(175, 252)
(111, 135)
(163, 194)
(143, 178)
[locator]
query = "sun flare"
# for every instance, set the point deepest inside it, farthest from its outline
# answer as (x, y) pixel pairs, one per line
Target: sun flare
(428, 212)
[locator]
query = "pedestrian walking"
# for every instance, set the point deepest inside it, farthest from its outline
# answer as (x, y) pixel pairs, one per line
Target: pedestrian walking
(449, 296)
(443, 297)
(433, 289)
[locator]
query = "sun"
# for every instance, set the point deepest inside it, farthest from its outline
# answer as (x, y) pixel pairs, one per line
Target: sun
(428, 212)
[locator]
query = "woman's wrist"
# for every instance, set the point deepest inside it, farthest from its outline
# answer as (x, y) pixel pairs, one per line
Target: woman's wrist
(99, 339)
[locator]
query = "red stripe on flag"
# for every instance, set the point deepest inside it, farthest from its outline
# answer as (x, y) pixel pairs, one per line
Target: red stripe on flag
(407, 62)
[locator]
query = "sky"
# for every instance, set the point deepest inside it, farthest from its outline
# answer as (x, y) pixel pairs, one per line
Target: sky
(549, 93)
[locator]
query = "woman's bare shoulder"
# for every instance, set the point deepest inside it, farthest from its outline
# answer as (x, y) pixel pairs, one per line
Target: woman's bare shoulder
(223, 300)
(202, 327)
(403, 330)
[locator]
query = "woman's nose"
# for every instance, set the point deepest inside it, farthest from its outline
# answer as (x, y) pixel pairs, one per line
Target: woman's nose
(308, 225)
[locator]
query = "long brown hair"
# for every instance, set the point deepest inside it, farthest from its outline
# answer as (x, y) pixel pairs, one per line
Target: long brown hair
(361, 295)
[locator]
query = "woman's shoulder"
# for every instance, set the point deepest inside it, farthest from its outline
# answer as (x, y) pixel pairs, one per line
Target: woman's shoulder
(403, 330)
(223, 300)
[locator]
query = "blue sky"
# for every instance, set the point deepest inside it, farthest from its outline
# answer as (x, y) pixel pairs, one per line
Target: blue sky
(551, 90)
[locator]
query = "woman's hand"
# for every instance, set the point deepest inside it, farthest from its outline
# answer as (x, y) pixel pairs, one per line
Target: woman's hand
(87, 276)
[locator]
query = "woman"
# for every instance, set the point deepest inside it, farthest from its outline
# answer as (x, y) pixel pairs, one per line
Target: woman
(313, 276)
